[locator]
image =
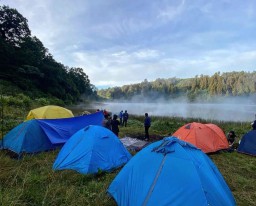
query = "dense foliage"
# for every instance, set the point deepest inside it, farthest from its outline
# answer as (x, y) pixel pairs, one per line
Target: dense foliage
(201, 88)
(29, 67)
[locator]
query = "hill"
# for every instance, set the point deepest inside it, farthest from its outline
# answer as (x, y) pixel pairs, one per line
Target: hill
(27, 67)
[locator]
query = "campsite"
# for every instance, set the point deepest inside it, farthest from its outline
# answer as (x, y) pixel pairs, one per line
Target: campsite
(179, 75)
(31, 179)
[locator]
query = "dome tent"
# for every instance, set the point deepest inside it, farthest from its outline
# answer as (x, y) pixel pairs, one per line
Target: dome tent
(170, 172)
(39, 135)
(49, 112)
(92, 149)
(207, 137)
(248, 143)
(60, 130)
(27, 137)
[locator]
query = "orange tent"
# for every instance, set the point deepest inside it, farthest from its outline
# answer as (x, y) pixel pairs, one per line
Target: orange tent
(207, 137)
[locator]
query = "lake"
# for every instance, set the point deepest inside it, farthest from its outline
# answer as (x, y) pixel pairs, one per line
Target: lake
(221, 112)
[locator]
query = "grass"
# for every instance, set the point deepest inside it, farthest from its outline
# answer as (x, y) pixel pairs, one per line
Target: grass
(31, 181)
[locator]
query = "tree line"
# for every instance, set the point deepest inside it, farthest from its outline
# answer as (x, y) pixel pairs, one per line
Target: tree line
(29, 67)
(202, 88)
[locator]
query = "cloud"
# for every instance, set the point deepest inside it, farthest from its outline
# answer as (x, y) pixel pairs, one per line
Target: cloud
(126, 42)
(170, 12)
(117, 69)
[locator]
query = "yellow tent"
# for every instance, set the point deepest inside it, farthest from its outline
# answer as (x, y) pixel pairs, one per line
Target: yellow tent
(49, 112)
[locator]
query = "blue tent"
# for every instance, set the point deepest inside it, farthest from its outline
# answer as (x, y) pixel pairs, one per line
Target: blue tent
(27, 137)
(170, 172)
(40, 135)
(248, 143)
(92, 149)
(60, 130)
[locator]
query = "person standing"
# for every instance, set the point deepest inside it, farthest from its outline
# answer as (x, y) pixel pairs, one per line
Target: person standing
(121, 117)
(254, 125)
(115, 125)
(108, 123)
(105, 112)
(147, 124)
(125, 118)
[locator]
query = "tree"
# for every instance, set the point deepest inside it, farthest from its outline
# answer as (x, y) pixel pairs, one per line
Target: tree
(13, 26)
(81, 80)
(6, 52)
(32, 51)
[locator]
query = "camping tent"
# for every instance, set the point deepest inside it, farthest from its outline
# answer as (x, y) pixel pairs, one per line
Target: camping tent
(207, 137)
(170, 172)
(27, 137)
(49, 112)
(60, 130)
(248, 143)
(90, 150)
(40, 135)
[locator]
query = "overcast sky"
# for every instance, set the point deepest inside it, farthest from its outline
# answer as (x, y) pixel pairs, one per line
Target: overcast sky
(120, 42)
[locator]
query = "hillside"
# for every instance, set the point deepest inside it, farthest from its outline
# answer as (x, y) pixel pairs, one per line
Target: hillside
(27, 67)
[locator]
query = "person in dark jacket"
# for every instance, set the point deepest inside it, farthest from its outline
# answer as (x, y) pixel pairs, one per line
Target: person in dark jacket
(231, 138)
(107, 122)
(147, 124)
(121, 117)
(115, 125)
(125, 117)
(254, 125)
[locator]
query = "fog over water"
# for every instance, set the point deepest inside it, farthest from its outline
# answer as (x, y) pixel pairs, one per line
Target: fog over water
(223, 112)
(241, 112)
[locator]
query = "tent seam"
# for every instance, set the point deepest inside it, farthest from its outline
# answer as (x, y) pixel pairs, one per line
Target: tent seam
(155, 181)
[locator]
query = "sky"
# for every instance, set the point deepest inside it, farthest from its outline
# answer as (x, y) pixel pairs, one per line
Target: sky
(120, 42)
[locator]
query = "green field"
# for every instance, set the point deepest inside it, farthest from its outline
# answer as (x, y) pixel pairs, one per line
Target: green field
(31, 180)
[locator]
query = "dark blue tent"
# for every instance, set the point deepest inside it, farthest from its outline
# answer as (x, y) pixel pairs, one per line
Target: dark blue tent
(92, 149)
(27, 137)
(170, 172)
(60, 130)
(248, 143)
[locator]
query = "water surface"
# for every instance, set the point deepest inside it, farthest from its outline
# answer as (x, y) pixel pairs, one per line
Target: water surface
(222, 112)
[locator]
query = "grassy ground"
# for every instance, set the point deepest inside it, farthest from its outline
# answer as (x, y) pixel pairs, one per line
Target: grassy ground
(31, 180)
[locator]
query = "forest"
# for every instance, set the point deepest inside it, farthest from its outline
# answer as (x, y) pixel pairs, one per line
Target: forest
(29, 71)
(28, 68)
(200, 88)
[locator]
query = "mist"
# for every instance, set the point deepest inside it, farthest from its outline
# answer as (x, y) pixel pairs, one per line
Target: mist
(236, 109)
